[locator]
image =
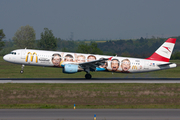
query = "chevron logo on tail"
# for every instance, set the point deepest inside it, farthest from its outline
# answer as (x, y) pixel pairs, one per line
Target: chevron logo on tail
(167, 48)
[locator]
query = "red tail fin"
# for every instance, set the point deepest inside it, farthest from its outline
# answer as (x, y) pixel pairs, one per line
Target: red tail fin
(163, 53)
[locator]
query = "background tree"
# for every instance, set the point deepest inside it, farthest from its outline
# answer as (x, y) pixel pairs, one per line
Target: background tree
(2, 35)
(67, 45)
(176, 55)
(47, 41)
(89, 49)
(25, 37)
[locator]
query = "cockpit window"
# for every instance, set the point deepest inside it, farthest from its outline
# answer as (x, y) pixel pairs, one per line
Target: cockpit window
(14, 53)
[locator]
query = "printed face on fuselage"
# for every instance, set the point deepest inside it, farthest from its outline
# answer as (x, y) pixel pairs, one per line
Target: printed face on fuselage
(56, 60)
(68, 58)
(91, 58)
(114, 65)
(80, 59)
(125, 65)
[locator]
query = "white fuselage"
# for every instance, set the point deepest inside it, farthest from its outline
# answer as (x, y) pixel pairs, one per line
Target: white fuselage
(116, 64)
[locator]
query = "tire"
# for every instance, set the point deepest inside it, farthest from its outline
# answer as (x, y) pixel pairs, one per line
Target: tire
(21, 71)
(88, 76)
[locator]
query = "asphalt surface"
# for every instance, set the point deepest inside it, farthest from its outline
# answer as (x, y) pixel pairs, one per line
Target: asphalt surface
(88, 114)
(93, 80)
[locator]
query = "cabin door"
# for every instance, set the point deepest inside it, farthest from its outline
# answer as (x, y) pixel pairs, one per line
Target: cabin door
(23, 54)
(146, 65)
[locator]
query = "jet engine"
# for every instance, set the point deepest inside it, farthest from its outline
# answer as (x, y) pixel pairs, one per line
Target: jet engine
(70, 68)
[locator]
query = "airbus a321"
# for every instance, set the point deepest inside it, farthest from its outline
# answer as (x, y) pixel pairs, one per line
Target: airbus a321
(76, 62)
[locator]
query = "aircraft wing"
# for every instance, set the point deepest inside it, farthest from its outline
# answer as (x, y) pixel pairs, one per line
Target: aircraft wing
(93, 64)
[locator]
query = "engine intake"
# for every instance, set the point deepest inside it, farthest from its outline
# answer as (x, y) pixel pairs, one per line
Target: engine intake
(70, 68)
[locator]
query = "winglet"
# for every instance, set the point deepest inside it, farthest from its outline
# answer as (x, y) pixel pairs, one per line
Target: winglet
(110, 58)
(163, 53)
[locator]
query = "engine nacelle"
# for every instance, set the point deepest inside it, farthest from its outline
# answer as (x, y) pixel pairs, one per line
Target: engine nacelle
(70, 68)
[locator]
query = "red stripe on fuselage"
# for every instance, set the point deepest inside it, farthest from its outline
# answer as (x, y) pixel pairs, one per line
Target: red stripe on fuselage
(158, 57)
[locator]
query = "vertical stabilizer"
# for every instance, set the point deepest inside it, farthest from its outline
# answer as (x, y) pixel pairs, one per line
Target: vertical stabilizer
(163, 53)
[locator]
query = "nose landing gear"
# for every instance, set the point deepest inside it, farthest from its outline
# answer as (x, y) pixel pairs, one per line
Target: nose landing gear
(22, 71)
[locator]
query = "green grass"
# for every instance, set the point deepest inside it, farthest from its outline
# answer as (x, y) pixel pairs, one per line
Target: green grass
(89, 96)
(9, 70)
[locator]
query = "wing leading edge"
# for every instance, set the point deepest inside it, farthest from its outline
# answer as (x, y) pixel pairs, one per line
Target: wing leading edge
(94, 65)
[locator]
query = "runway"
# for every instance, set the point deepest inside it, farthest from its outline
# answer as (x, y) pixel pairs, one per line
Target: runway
(88, 114)
(93, 80)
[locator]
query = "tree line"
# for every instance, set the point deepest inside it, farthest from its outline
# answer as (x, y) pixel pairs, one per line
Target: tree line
(142, 47)
(25, 37)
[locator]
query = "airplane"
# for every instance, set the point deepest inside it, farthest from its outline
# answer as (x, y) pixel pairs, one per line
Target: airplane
(77, 62)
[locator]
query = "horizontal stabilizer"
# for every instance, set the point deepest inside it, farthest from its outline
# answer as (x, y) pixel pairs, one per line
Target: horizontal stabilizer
(161, 65)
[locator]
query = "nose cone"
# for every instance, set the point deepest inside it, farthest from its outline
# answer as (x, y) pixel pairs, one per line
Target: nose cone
(5, 57)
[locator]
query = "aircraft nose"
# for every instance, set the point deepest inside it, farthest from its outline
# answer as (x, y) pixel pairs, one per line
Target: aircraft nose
(5, 57)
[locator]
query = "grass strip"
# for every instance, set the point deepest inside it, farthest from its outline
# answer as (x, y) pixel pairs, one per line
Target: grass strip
(90, 96)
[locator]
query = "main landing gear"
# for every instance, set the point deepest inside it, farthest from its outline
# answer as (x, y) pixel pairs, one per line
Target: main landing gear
(88, 76)
(22, 69)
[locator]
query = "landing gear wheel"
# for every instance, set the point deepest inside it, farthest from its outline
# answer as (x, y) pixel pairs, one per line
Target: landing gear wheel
(88, 76)
(21, 71)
